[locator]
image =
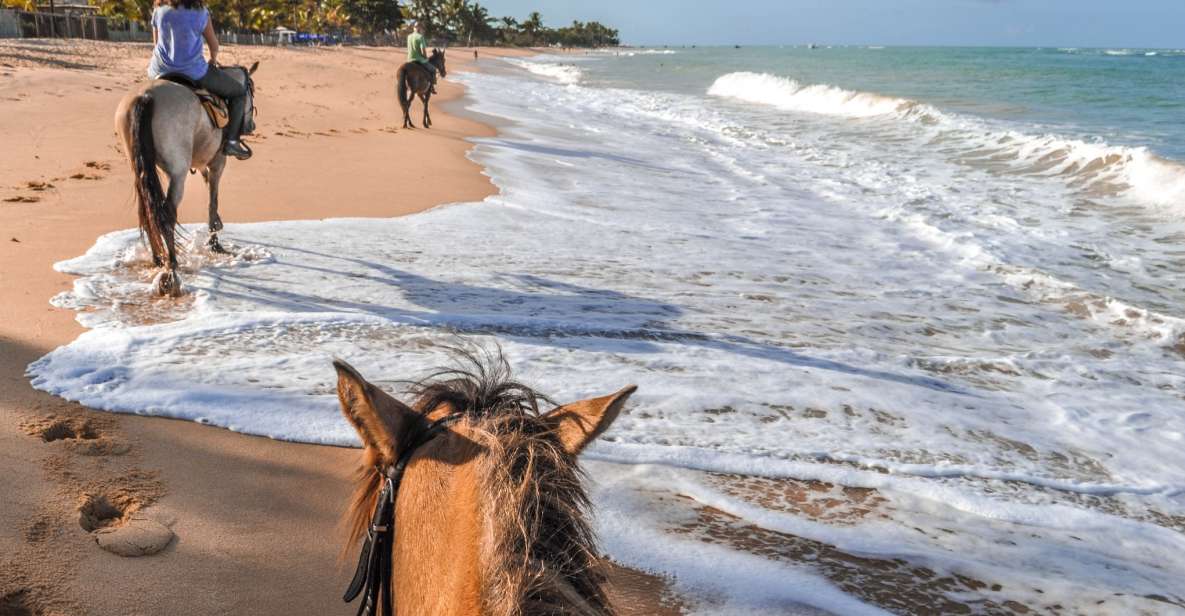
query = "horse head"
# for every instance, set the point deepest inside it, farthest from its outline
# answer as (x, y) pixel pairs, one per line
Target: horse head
(249, 109)
(487, 497)
(437, 60)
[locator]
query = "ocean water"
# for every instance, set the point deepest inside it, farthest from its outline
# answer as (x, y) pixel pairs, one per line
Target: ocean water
(916, 306)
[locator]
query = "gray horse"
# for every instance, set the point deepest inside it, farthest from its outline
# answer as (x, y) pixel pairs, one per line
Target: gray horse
(162, 124)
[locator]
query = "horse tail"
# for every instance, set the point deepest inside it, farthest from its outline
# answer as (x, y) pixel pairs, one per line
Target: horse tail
(401, 88)
(155, 215)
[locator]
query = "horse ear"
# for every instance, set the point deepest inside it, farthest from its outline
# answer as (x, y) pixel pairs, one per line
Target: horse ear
(254, 67)
(381, 421)
(578, 423)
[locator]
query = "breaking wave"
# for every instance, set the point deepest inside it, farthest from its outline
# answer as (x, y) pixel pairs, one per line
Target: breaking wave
(563, 73)
(1095, 168)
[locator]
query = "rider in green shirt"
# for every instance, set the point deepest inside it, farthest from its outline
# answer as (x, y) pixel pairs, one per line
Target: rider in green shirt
(416, 53)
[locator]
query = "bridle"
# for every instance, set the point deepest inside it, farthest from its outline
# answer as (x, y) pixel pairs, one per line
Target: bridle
(439, 65)
(374, 563)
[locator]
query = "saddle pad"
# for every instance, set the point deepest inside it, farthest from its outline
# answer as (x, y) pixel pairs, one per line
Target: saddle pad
(215, 107)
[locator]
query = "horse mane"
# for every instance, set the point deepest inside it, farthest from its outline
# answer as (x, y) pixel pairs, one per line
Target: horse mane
(540, 557)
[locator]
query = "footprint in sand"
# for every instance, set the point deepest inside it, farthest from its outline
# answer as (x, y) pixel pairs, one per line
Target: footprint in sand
(22, 199)
(78, 435)
(118, 525)
(95, 165)
(42, 528)
(37, 186)
(20, 602)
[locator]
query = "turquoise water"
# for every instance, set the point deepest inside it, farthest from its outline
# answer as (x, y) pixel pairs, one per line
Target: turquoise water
(1121, 96)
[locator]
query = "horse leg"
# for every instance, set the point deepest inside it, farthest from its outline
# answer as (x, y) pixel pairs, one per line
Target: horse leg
(407, 112)
(427, 117)
(169, 283)
(213, 175)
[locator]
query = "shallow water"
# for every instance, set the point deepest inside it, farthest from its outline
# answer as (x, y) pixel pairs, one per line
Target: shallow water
(967, 310)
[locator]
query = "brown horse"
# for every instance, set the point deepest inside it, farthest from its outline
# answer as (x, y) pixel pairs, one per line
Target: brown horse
(490, 518)
(412, 80)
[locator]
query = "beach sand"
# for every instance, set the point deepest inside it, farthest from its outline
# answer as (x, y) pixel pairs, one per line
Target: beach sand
(256, 520)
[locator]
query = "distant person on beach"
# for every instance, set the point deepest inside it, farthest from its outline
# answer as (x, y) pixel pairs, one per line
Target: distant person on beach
(416, 53)
(178, 30)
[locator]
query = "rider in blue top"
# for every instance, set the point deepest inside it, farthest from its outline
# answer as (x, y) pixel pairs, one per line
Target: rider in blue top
(178, 30)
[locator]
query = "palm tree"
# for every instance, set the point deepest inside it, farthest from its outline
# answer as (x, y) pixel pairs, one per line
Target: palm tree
(426, 11)
(533, 26)
(475, 20)
(508, 30)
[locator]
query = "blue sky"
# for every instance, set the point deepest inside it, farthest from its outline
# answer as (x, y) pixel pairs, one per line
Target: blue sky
(1052, 23)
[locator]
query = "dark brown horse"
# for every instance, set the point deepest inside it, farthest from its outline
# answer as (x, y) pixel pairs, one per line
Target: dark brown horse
(415, 80)
(489, 517)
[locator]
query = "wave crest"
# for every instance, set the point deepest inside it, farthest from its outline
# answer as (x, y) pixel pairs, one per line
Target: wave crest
(563, 73)
(819, 98)
(1095, 168)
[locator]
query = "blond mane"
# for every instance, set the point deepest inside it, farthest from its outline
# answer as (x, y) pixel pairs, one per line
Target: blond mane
(539, 553)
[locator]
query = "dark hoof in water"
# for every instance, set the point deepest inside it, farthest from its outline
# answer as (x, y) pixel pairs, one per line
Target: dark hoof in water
(215, 246)
(168, 284)
(216, 224)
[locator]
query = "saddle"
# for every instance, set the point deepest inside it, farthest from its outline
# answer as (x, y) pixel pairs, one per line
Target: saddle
(214, 105)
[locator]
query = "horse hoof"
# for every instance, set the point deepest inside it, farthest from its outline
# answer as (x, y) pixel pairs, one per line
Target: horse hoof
(216, 225)
(167, 284)
(216, 246)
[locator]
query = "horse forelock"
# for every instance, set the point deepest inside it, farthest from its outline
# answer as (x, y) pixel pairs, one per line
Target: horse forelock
(539, 555)
(541, 547)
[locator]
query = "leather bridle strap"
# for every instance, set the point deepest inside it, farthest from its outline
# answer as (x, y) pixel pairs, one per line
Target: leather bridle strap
(374, 563)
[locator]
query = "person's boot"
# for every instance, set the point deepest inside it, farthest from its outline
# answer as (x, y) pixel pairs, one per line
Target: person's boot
(236, 148)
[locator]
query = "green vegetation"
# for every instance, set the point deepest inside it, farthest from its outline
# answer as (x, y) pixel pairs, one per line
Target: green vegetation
(460, 21)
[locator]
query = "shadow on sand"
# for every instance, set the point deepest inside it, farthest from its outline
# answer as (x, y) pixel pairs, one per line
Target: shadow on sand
(538, 311)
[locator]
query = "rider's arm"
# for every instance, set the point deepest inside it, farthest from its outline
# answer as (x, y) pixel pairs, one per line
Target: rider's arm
(211, 41)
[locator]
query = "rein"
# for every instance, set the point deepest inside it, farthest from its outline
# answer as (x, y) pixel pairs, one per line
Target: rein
(373, 574)
(250, 84)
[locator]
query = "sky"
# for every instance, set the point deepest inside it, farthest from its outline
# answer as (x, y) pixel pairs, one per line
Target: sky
(1036, 23)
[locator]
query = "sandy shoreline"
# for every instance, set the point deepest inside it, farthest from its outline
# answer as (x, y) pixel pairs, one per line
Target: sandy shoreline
(255, 519)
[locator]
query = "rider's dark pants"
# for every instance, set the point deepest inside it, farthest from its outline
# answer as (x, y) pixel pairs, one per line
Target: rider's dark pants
(431, 70)
(219, 82)
(428, 65)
